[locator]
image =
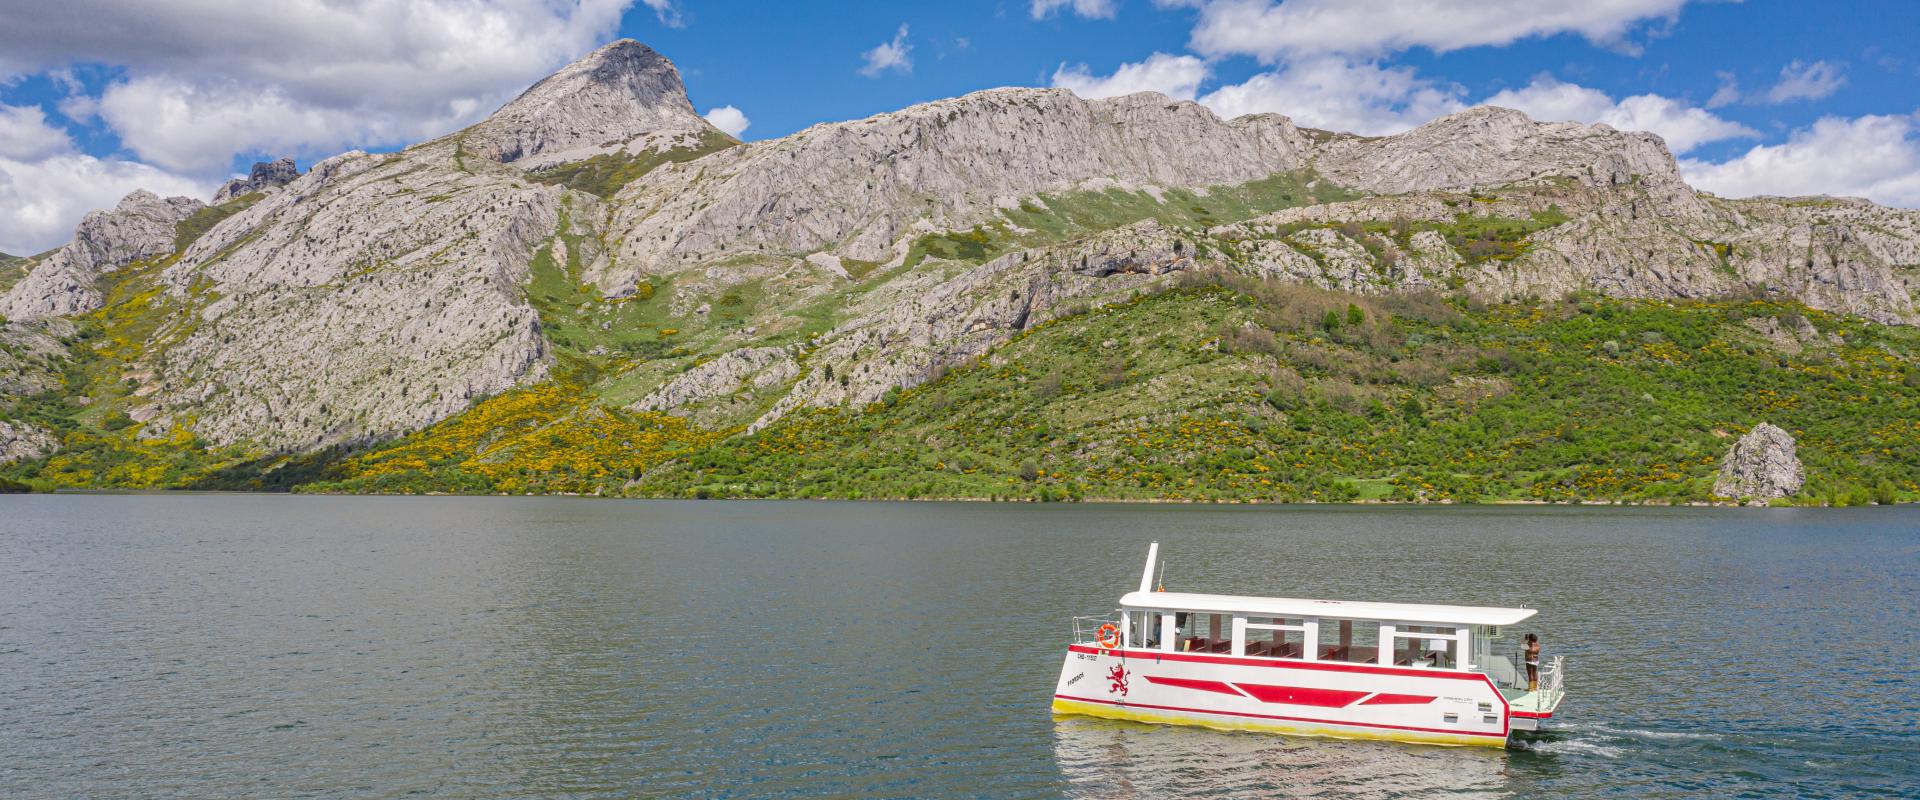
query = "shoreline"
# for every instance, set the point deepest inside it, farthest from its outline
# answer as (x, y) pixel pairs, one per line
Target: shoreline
(1011, 501)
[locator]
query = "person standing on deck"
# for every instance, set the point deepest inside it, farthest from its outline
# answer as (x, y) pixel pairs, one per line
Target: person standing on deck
(1532, 654)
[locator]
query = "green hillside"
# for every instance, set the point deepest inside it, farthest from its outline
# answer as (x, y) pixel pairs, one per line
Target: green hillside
(1225, 389)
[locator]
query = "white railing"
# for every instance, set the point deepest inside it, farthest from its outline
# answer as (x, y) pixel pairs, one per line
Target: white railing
(1086, 629)
(1550, 682)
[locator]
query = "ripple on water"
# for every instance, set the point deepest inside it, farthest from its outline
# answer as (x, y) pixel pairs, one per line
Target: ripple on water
(217, 646)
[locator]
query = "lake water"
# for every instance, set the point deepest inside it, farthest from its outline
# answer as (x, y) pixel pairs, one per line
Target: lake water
(271, 646)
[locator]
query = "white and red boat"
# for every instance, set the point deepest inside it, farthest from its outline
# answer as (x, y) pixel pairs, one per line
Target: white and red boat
(1434, 674)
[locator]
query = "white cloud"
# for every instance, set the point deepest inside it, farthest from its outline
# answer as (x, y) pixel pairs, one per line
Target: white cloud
(1802, 81)
(1727, 94)
(1684, 127)
(197, 127)
(307, 78)
(896, 55)
(1177, 77)
(1876, 157)
(729, 119)
(1334, 94)
(41, 201)
(668, 11)
(25, 134)
(1091, 9)
(1275, 31)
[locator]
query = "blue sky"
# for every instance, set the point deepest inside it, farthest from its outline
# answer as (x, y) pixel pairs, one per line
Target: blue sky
(98, 97)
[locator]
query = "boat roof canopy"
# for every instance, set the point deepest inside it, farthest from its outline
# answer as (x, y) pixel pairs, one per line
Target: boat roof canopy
(1291, 607)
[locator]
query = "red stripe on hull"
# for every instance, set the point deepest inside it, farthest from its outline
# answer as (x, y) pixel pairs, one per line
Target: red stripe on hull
(1398, 700)
(1530, 715)
(1299, 696)
(1278, 717)
(1329, 666)
(1218, 687)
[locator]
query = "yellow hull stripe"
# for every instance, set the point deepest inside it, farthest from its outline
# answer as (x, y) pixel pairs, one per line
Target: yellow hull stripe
(1062, 706)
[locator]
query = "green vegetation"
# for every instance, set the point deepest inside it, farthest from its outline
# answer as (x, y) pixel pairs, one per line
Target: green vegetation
(547, 439)
(197, 224)
(1478, 239)
(1056, 218)
(102, 446)
(590, 332)
(605, 174)
(1248, 391)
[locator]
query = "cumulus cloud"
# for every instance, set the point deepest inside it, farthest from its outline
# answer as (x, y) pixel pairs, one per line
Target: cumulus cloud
(1091, 9)
(1334, 94)
(1684, 127)
(197, 127)
(299, 77)
(729, 119)
(1802, 81)
(1178, 77)
(1876, 157)
(895, 55)
(41, 200)
(1274, 31)
(25, 134)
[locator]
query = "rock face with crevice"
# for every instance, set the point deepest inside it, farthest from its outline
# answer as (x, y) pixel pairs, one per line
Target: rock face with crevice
(21, 440)
(67, 282)
(265, 176)
(856, 188)
(1761, 466)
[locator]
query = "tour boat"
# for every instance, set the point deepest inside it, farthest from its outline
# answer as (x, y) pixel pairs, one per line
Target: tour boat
(1433, 674)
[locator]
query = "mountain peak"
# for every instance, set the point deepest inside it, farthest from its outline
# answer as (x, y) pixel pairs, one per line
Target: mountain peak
(612, 96)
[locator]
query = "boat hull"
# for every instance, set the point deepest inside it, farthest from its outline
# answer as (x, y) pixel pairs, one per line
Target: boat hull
(1332, 699)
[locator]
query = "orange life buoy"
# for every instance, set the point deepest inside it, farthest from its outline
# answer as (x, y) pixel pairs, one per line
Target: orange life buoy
(1109, 636)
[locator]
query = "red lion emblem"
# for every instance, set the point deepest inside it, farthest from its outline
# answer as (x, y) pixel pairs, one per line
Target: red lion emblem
(1117, 680)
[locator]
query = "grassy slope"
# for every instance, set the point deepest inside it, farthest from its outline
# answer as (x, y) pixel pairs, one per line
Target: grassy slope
(1214, 393)
(605, 174)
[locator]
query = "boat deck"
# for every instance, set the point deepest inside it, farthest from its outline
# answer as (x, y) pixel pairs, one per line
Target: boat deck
(1532, 702)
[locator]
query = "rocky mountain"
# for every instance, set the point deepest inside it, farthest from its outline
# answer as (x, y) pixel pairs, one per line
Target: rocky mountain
(597, 234)
(622, 97)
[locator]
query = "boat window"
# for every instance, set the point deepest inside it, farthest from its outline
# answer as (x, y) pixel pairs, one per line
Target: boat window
(1276, 637)
(1352, 641)
(1204, 633)
(1146, 631)
(1426, 645)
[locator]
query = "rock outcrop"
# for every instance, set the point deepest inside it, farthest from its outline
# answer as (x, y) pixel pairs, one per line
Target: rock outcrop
(1760, 466)
(67, 282)
(373, 295)
(856, 188)
(21, 440)
(1489, 146)
(622, 95)
(265, 175)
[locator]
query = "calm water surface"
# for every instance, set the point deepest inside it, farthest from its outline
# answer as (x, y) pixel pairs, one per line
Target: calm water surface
(266, 646)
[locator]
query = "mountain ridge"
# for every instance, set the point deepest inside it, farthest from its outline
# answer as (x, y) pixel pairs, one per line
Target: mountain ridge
(596, 233)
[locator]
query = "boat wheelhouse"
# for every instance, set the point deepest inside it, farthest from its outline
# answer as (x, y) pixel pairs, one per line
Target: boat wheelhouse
(1434, 674)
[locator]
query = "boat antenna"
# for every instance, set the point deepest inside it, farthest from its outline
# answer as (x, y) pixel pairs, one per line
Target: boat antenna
(1161, 585)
